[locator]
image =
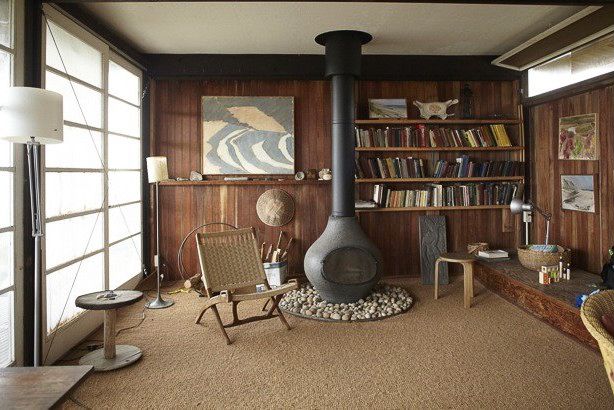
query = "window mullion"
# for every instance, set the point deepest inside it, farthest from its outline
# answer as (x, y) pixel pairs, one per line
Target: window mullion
(105, 147)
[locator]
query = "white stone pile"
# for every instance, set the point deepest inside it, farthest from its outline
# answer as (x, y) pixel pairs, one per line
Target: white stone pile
(384, 301)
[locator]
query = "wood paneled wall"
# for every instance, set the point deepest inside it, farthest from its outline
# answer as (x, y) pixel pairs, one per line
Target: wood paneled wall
(589, 235)
(176, 133)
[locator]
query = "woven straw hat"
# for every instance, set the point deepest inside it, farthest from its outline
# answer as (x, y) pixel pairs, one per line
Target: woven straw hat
(275, 207)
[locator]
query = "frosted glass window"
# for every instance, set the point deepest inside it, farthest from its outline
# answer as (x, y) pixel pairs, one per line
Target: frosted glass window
(90, 100)
(6, 199)
(6, 260)
(6, 23)
(124, 186)
(123, 84)
(124, 221)
(88, 277)
(79, 150)
(586, 62)
(6, 153)
(124, 261)
(7, 336)
(72, 192)
(6, 69)
(66, 239)
(81, 60)
(124, 118)
(124, 153)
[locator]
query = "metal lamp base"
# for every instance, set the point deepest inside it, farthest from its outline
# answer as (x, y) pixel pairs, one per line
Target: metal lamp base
(159, 303)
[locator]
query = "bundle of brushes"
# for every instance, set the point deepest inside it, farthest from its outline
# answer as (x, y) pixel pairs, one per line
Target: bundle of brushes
(279, 254)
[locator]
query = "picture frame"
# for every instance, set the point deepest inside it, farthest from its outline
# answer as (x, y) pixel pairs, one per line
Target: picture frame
(578, 137)
(244, 135)
(387, 108)
(578, 193)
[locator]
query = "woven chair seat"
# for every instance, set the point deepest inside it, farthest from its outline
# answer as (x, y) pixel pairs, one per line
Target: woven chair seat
(591, 312)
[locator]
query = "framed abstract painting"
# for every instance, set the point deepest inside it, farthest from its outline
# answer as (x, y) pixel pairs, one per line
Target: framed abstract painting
(248, 135)
(578, 137)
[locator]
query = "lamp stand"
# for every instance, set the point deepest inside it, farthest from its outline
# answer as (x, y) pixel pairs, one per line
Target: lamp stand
(527, 218)
(158, 303)
(33, 148)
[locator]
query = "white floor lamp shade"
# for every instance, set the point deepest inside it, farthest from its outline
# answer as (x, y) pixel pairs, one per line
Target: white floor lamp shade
(27, 113)
(157, 170)
(33, 116)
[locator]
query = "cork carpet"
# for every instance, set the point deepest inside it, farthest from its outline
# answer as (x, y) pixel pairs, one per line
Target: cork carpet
(437, 355)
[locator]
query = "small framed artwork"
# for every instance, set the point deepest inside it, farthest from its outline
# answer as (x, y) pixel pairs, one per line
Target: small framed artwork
(579, 137)
(388, 108)
(578, 193)
(248, 135)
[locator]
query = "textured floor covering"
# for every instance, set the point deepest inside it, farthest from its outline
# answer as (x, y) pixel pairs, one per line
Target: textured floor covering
(437, 355)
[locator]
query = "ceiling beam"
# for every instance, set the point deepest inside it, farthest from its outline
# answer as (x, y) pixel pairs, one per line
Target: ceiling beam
(509, 2)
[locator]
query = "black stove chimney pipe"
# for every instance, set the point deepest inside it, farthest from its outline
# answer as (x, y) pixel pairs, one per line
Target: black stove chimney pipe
(343, 53)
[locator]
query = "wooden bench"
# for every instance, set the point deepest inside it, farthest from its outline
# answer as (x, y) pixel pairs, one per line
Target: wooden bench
(554, 303)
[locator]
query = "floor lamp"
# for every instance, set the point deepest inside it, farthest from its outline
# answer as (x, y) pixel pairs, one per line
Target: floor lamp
(157, 170)
(33, 116)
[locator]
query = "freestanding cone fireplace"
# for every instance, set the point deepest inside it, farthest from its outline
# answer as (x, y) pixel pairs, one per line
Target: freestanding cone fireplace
(343, 264)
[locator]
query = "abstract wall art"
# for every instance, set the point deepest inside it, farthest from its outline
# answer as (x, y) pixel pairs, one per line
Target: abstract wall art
(578, 137)
(248, 135)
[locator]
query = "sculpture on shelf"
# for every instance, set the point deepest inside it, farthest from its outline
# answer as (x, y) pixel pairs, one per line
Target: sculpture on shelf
(435, 109)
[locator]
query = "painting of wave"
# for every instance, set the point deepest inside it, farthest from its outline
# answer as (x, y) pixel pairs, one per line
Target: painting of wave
(578, 193)
(248, 135)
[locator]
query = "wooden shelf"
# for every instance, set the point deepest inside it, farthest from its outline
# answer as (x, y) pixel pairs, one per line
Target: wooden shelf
(468, 179)
(434, 208)
(434, 149)
(220, 182)
(411, 121)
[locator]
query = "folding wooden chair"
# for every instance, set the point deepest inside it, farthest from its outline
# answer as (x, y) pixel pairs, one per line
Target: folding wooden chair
(231, 268)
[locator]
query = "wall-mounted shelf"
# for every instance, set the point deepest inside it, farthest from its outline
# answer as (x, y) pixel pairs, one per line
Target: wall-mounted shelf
(220, 182)
(434, 208)
(469, 179)
(414, 121)
(436, 149)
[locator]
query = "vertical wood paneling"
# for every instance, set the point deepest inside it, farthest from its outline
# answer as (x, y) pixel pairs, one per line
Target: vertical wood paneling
(177, 128)
(589, 235)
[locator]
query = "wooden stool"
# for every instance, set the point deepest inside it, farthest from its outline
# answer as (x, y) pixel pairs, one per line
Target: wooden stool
(110, 357)
(464, 259)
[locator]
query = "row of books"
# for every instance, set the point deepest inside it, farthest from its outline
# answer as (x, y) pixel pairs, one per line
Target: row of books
(463, 167)
(417, 168)
(494, 135)
(437, 195)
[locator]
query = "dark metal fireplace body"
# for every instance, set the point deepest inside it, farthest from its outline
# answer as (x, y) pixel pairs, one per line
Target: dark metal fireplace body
(343, 264)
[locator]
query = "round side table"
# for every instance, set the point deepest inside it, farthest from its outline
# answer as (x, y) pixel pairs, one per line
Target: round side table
(111, 356)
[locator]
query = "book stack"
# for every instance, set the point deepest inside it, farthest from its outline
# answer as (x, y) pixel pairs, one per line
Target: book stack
(494, 135)
(390, 168)
(437, 195)
(463, 167)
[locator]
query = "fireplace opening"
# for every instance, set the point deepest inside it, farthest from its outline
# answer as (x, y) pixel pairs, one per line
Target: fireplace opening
(349, 265)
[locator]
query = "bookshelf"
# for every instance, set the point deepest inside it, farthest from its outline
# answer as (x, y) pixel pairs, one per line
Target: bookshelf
(432, 208)
(431, 155)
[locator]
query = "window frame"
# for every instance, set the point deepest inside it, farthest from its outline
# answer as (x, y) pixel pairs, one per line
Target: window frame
(78, 326)
(17, 169)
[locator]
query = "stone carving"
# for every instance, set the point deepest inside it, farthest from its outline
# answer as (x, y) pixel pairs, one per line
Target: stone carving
(435, 109)
(432, 244)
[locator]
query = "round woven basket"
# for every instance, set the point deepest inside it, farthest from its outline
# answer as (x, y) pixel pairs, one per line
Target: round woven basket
(534, 260)
(275, 207)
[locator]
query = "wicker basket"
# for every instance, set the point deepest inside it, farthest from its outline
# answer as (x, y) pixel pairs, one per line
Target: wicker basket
(592, 310)
(534, 260)
(474, 248)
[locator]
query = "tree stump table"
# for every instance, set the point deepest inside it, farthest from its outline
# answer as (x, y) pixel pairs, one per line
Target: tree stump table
(110, 357)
